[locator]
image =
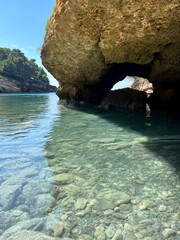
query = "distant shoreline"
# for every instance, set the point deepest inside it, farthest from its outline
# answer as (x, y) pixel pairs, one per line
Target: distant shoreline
(11, 85)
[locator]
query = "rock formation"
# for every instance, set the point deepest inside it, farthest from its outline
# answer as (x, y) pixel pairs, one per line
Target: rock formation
(8, 86)
(11, 85)
(91, 45)
(125, 98)
(20, 74)
(142, 84)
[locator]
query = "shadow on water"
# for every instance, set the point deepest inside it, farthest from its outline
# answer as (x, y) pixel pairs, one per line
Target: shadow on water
(161, 131)
(94, 155)
(76, 170)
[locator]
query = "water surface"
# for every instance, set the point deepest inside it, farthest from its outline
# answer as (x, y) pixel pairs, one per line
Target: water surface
(86, 173)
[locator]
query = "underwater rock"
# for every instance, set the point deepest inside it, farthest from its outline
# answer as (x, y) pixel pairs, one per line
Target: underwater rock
(28, 235)
(110, 199)
(81, 203)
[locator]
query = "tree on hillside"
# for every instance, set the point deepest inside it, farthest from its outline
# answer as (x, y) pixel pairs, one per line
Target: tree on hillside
(15, 64)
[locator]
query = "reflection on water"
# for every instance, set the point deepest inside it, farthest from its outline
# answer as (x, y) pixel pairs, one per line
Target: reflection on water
(25, 123)
(88, 174)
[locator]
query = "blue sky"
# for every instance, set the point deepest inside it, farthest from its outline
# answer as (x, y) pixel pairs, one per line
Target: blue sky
(125, 83)
(22, 26)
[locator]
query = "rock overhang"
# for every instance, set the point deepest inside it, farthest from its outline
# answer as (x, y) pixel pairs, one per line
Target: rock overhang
(87, 40)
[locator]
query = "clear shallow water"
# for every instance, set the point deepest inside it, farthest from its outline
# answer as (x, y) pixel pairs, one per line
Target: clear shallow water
(86, 173)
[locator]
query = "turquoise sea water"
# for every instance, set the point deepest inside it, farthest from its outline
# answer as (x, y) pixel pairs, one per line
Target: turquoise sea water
(86, 173)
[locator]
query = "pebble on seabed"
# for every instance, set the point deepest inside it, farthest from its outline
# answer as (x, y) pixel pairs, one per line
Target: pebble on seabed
(102, 188)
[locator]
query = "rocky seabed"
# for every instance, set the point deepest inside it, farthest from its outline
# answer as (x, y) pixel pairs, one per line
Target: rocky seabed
(92, 189)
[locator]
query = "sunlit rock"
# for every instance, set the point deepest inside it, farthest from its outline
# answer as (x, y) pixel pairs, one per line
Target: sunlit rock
(91, 45)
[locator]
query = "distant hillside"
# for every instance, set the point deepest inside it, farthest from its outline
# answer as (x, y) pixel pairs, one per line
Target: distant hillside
(18, 74)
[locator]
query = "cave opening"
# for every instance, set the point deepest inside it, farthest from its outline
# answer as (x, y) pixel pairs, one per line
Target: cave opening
(126, 82)
(121, 78)
(119, 72)
(114, 73)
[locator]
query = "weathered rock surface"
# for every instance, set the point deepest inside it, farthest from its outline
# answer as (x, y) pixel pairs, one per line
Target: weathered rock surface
(91, 45)
(125, 98)
(10, 85)
(166, 99)
(142, 84)
(28, 235)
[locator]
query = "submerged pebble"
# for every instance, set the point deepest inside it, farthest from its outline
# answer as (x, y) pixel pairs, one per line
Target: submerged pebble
(89, 177)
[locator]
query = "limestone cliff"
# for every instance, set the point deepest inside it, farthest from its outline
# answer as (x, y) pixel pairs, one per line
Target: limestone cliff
(142, 84)
(19, 74)
(91, 45)
(11, 85)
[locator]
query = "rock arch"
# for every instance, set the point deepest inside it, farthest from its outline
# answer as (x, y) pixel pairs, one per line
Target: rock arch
(90, 43)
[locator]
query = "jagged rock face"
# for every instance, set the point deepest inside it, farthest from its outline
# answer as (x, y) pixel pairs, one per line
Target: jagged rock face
(125, 98)
(142, 84)
(11, 85)
(7, 86)
(91, 45)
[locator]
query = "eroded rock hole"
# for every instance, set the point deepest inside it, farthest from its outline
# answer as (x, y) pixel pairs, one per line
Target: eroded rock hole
(118, 72)
(126, 82)
(133, 86)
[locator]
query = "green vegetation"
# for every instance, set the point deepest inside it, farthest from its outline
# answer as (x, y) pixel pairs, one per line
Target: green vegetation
(14, 64)
(48, 22)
